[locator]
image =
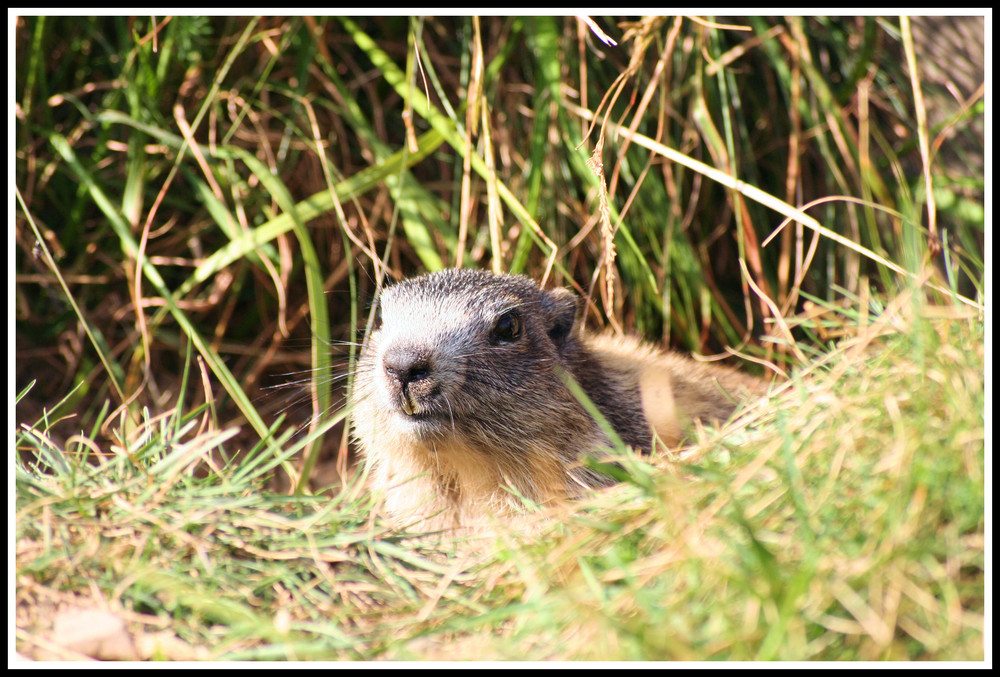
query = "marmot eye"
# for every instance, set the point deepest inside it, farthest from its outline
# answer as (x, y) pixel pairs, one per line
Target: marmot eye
(507, 327)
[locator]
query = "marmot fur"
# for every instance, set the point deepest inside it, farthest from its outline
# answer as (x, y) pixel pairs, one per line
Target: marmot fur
(460, 399)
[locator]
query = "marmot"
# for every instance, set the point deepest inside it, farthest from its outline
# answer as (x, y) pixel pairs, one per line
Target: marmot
(460, 401)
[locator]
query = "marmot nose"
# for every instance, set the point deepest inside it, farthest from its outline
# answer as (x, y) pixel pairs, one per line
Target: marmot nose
(409, 378)
(406, 364)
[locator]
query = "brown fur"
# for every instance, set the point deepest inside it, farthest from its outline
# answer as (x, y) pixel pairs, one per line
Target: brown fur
(459, 400)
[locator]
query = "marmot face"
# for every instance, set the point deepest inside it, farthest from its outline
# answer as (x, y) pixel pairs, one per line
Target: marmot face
(460, 404)
(461, 354)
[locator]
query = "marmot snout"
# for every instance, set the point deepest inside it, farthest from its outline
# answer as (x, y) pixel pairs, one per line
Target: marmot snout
(460, 402)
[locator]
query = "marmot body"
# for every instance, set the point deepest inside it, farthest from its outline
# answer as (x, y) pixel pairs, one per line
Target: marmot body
(460, 396)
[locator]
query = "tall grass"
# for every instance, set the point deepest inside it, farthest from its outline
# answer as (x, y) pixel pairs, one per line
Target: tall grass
(206, 206)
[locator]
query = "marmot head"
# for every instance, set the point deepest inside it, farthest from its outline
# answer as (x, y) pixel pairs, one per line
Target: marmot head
(469, 354)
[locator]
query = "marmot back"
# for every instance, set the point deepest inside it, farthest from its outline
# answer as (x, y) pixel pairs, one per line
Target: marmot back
(460, 400)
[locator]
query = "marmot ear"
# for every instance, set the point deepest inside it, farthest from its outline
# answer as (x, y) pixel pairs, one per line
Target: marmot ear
(561, 306)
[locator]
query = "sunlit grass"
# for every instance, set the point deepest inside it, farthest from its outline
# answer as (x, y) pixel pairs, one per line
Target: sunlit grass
(206, 207)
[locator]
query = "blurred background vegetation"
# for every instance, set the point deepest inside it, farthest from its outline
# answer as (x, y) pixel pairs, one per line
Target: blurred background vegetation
(242, 185)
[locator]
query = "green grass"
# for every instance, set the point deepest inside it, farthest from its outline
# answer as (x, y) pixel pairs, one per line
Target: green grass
(206, 207)
(846, 524)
